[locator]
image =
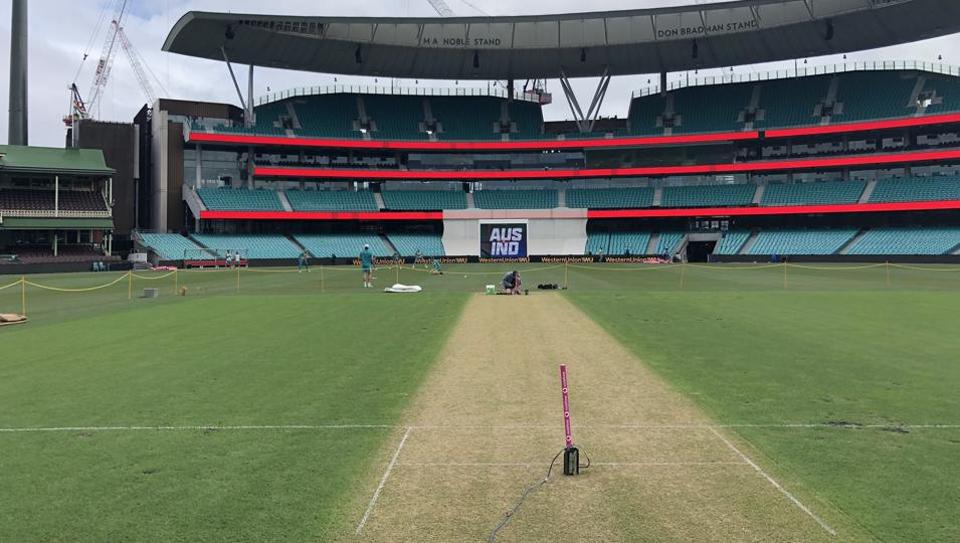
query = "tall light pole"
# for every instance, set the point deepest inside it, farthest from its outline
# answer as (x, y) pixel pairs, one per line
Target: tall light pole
(17, 127)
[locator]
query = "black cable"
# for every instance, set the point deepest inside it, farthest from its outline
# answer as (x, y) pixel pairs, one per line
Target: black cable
(508, 516)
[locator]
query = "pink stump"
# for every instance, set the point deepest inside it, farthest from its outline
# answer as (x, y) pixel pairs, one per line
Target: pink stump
(568, 431)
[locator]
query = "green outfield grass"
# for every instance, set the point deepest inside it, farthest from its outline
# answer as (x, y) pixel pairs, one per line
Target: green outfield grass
(751, 344)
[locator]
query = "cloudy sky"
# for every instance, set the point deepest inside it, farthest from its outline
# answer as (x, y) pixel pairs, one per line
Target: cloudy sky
(61, 31)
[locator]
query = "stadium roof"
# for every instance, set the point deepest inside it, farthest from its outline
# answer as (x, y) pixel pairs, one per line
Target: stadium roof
(581, 44)
(17, 158)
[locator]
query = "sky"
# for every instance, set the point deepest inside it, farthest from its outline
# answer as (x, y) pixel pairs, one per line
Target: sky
(62, 31)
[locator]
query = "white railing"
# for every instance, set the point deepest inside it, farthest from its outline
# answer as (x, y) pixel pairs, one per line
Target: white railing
(49, 213)
(395, 90)
(802, 70)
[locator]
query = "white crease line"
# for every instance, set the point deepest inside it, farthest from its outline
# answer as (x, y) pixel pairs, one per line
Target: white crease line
(541, 464)
(775, 484)
(476, 427)
(197, 427)
(383, 481)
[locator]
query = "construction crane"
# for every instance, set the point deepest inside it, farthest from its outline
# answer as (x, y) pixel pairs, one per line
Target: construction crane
(80, 109)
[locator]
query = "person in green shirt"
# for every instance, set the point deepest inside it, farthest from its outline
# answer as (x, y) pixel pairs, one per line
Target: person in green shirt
(366, 264)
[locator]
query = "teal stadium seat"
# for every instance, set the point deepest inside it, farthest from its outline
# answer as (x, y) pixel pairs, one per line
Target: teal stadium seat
(253, 246)
(395, 117)
(174, 247)
(466, 118)
(732, 242)
(327, 115)
(644, 113)
(917, 189)
(715, 109)
(598, 243)
(610, 198)
(424, 200)
(907, 241)
(331, 200)
(342, 245)
(516, 199)
(224, 199)
(708, 195)
(633, 243)
(409, 244)
(801, 242)
(669, 243)
(815, 193)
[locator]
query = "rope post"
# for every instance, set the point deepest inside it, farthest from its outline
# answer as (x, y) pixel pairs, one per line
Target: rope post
(785, 281)
(129, 285)
(238, 279)
(399, 263)
(888, 272)
(176, 281)
(321, 279)
(566, 273)
(23, 296)
(683, 274)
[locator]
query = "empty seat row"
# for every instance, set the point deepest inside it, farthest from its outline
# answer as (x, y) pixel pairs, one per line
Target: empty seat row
(907, 241)
(47, 200)
(174, 247)
(252, 246)
(801, 242)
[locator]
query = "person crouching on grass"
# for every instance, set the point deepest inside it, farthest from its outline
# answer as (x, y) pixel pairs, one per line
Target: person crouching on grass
(366, 265)
(511, 283)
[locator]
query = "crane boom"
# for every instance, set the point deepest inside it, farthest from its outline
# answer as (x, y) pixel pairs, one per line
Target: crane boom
(441, 7)
(137, 66)
(105, 63)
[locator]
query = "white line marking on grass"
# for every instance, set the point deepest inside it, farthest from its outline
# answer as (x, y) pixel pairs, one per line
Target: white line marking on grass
(196, 428)
(383, 481)
(541, 464)
(775, 484)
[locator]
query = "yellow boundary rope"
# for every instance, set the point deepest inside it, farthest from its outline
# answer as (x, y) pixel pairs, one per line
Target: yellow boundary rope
(12, 284)
(86, 289)
(157, 278)
(934, 270)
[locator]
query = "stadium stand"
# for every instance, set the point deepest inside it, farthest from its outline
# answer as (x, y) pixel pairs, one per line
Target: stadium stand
(331, 200)
(409, 244)
(240, 199)
(792, 102)
(516, 199)
(907, 241)
(669, 243)
(528, 118)
(708, 195)
(719, 113)
(173, 247)
(395, 117)
(632, 243)
(645, 117)
(75, 201)
(611, 198)
(732, 242)
(461, 121)
(255, 246)
(826, 192)
(598, 243)
(327, 115)
(800, 242)
(424, 200)
(342, 245)
(916, 189)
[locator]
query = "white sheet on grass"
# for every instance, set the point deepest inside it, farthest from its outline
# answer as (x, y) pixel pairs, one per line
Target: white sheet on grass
(403, 289)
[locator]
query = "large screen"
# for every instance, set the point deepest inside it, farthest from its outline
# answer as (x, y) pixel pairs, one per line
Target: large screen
(499, 240)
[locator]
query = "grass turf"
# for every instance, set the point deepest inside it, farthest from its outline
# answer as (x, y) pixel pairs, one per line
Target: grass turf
(751, 344)
(222, 360)
(843, 349)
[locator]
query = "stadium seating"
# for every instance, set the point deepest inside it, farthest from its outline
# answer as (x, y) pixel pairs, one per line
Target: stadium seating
(240, 199)
(800, 242)
(644, 115)
(598, 243)
(732, 242)
(528, 117)
(409, 244)
(792, 102)
(26, 200)
(328, 115)
(907, 241)
(395, 117)
(252, 247)
(611, 198)
(718, 113)
(858, 92)
(633, 243)
(828, 192)
(669, 243)
(915, 189)
(331, 200)
(708, 195)
(516, 199)
(463, 118)
(342, 245)
(174, 247)
(424, 200)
